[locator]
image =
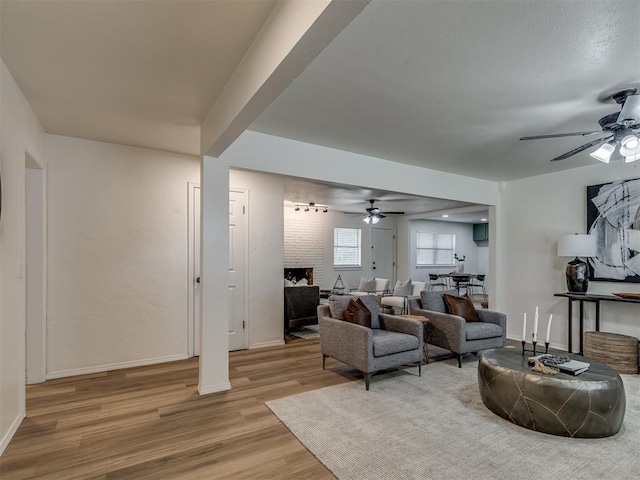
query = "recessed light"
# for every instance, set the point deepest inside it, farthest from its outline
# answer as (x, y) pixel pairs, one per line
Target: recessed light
(483, 219)
(445, 216)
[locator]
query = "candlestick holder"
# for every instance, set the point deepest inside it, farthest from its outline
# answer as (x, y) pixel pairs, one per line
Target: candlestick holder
(533, 350)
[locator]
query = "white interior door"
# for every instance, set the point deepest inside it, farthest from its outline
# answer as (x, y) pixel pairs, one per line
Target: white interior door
(238, 338)
(194, 270)
(237, 269)
(383, 261)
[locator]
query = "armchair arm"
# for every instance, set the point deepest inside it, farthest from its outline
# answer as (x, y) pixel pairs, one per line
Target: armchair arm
(398, 324)
(443, 329)
(491, 316)
(348, 342)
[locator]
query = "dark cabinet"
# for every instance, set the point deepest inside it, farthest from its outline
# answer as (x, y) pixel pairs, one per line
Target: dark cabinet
(480, 232)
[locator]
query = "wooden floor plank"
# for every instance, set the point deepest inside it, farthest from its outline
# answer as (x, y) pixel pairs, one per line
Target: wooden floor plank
(150, 423)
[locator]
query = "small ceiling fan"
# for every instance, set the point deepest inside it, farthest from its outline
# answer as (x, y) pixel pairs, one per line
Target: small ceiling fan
(621, 127)
(374, 214)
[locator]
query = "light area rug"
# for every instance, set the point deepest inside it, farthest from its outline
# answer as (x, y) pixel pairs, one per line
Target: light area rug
(436, 427)
(309, 332)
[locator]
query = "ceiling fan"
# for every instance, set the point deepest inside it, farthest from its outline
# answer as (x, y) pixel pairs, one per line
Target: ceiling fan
(621, 127)
(374, 214)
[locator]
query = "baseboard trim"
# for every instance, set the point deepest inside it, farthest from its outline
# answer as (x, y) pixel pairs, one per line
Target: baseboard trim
(275, 343)
(115, 366)
(6, 439)
(221, 387)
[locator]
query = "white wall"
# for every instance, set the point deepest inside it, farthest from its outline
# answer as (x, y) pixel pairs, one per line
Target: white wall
(22, 134)
(308, 242)
(537, 212)
(265, 256)
(117, 255)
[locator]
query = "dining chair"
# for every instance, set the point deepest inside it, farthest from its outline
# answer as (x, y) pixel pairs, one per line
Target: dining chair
(461, 281)
(478, 283)
(436, 281)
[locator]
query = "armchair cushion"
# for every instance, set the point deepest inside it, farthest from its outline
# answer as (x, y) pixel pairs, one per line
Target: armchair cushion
(367, 285)
(338, 303)
(461, 306)
(434, 301)
(388, 343)
(357, 312)
(402, 289)
(481, 330)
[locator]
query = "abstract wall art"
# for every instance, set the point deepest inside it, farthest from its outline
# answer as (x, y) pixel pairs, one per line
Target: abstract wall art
(613, 216)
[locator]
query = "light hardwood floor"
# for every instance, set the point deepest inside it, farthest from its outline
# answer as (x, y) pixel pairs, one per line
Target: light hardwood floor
(150, 423)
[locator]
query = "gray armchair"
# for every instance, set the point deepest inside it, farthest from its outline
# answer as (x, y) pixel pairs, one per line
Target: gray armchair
(453, 332)
(392, 340)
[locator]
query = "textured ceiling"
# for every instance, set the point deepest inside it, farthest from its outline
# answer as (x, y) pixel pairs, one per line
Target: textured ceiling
(87, 65)
(453, 85)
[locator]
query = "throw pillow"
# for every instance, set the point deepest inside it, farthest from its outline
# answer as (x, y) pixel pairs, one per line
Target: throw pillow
(402, 289)
(367, 285)
(302, 282)
(432, 300)
(288, 283)
(337, 304)
(357, 312)
(461, 306)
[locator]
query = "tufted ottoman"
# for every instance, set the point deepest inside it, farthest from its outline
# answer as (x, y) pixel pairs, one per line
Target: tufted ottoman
(589, 405)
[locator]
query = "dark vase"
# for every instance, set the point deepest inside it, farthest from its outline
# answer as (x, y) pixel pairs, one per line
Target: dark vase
(577, 276)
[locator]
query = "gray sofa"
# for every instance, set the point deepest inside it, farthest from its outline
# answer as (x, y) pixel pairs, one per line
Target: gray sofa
(392, 340)
(453, 332)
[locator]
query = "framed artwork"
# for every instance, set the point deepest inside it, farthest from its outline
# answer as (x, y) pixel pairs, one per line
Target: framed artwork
(613, 216)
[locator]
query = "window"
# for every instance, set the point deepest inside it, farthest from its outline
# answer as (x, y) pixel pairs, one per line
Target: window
(435, 248)
(346, 247)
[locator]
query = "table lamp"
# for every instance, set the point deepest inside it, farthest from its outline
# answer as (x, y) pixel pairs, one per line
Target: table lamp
(578, 245)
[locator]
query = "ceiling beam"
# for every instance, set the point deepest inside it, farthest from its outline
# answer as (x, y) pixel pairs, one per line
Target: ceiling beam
(291, 38)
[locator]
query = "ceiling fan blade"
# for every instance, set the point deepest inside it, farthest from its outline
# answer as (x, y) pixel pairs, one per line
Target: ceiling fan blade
(583, 147)
(393, 213)
(555, 135)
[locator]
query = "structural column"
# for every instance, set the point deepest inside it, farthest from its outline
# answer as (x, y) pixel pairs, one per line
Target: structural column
(214, 297)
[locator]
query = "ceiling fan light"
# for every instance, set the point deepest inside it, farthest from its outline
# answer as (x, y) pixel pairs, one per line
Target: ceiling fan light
(630, 113)
(375, 219)
(632, 158)
(629, 146)
(366, 219)
(603, 154)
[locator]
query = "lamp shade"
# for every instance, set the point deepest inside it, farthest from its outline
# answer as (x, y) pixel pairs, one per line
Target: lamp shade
(605, 151)
(578, 245)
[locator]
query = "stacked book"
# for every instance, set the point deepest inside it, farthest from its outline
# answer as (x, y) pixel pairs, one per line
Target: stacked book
(564, 364)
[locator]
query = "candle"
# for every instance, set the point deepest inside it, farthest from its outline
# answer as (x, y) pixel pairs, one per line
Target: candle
(535, 326)
(549, 327)
(524, 328)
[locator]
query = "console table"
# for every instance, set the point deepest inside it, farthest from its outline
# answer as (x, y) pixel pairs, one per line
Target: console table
(596, 299)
